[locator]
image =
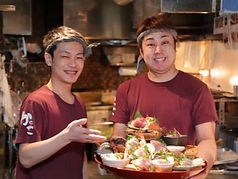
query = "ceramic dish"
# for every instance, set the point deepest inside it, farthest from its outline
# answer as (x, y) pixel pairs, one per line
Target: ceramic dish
(180, 141)
(198, 163)
(162, 166)
(111, 160)
(173, 148)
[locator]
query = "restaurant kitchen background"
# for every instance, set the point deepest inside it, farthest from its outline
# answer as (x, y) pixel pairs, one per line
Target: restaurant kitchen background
(207, 49)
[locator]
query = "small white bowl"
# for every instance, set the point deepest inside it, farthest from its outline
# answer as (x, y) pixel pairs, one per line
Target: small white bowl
(112, 161)
(173, 148)
(161, 165)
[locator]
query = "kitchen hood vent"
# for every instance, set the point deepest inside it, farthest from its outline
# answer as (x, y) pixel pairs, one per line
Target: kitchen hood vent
(188, 6)
(117, 20)
(192, 18)
(99, 19)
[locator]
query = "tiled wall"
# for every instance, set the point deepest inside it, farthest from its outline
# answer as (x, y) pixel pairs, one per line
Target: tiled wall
(97, 74)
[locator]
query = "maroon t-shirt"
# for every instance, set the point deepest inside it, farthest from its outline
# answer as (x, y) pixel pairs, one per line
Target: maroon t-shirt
(181, 103)
(43, 115)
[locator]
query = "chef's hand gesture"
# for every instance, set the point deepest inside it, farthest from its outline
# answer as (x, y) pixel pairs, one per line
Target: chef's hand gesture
(77, 133)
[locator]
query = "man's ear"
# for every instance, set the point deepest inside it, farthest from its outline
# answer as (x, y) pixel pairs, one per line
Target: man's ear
(48, 59)
(141, 53)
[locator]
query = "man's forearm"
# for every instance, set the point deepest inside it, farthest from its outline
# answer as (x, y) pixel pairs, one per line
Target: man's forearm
(34, 153)
(207, 150)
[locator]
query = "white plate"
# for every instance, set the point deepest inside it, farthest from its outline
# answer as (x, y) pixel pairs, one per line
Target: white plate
(173, 148)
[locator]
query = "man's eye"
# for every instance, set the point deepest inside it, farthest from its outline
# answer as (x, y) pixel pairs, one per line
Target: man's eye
(80, 58)
(165, 42)
(150, 44)
(65, 56)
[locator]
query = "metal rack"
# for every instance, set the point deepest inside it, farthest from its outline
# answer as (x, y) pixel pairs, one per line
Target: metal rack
(227, 126)
(227, 115)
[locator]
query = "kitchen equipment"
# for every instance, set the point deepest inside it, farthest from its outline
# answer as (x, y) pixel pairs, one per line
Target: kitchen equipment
(4, 8)
(19, 20)
(122, 2)
(128, 58)
(226, 162)
(16, 104)
(127, 71)
(94, 18)
(33, 48)
(98, 114)
(114, 59)
(98, 118)
(227, 126)
(121, 59)
(236, 91)
(104, 127)
(236, 145)
(225, 155)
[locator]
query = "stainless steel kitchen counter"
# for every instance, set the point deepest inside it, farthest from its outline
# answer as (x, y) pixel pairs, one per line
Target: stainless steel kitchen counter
(222, 176)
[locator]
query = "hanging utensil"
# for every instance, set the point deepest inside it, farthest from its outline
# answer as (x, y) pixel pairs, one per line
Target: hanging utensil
(21, 45)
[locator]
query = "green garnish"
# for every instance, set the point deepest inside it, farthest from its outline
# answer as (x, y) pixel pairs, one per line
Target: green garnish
(137, 114)
(161, 141)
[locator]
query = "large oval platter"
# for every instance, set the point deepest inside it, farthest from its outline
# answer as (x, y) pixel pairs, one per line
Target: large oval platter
(129, 174)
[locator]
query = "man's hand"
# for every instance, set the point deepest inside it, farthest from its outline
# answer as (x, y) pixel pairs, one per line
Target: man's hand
(75, 132)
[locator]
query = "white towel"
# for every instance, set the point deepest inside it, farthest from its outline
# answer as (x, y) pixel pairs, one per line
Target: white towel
(6, 100)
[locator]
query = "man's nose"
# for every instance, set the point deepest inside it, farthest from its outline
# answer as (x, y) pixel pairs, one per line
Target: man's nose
(158, 49)
(72, 62)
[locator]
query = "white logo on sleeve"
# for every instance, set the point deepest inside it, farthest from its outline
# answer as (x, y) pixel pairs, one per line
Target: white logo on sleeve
(26, 120)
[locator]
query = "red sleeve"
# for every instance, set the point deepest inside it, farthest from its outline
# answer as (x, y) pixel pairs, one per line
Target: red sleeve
(204, 108)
